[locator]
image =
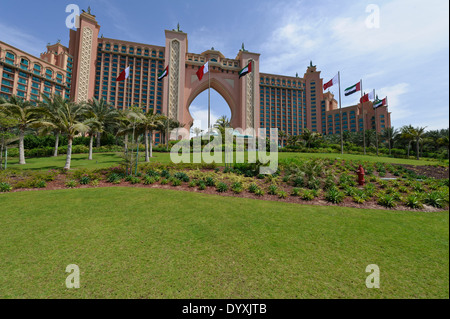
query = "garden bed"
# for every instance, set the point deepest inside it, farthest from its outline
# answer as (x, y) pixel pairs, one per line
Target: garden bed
(324, 182)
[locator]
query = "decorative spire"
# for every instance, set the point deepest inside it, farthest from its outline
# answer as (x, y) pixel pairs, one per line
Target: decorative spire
(243, 48)
(311, 64)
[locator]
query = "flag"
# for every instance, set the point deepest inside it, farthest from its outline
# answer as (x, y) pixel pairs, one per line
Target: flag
(246, 70)
(379, 103)
(202, 71)
(164, 74)
(367, 97)
(124, 75)
(332, 82)
(353, 89)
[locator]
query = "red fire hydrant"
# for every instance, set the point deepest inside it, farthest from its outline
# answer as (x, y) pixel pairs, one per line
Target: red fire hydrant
(361, 173)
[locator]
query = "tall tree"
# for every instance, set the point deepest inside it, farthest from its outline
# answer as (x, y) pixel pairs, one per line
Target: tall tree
(25, 114)
(148, 123)
(52, 104)
(104, 114)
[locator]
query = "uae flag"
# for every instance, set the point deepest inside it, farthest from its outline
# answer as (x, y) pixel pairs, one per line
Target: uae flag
(164, 74)
(353, 89)
(246, 70)
(124, 75)
(380, 103)
(202, 71)
(332, 82)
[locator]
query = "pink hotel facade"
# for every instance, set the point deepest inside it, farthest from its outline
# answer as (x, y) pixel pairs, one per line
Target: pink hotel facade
(89, 66)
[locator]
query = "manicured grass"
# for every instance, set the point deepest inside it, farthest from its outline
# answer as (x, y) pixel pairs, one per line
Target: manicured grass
(152, 243)
(102, 160)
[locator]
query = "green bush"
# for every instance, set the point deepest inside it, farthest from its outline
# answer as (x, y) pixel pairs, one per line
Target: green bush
(296, 192)
(273, 190)
(222, 187)
(414, 201)
(308, 195)
(201, 185)
(5, 187)
(237, 188)
(435, 199)
(387, 200)
(40, 184)
(282, 195)
(165, 181)
(176, 182)
(253, 188)
(85, 180)
(71, 184)
(334, 196)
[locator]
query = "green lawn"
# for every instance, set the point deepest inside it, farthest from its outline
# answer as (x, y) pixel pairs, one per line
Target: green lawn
(143, 243)
(110, 159)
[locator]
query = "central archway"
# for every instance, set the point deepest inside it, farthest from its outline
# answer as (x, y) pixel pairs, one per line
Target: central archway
(216, 86)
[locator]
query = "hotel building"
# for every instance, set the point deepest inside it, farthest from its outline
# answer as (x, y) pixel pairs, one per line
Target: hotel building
(88, 68)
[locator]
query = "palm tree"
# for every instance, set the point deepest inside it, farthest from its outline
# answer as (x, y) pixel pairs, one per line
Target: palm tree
(94, 127)
(70, 119)
(310, 137)
(104, 114)
(282, 136)
(52, 104)
(25, 114)
(148, 123)
(417, 136)
(406, 135)
(197, 131)
(389, 135)
(444, 141)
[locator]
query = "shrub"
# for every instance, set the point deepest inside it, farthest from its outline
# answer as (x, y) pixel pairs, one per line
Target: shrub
(152, 173)
(5, 187)
(282, 195)
(114, 178)
(253, 188)
(308, 195)
(176, 182)
(222, 187)
(182, 177)
(296, 192)
(71, 184)
(85, 180)
(165, 173)
(413, 201)
(95, 183)
(201, 185)
(334, 196)
(192, 184)
(40, 184)
(299, 181)
(237, 188)
(210, 182)
(165, 181)
(149, 180)
(403, 189)
(259, 192)
(417, 187)
(350, 191)
(359, 199)
(387, 200)
(314, 183)
(435, 199)
(273, 189)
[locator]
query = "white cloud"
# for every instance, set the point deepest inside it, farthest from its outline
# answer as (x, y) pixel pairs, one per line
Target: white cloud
(200, 116)
(396, 100)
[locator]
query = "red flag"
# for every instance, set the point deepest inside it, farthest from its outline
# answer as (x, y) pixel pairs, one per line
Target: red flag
(332, 82)
(202, 71)
(124, 75)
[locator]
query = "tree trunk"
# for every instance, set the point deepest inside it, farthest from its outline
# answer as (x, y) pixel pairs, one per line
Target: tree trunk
(418, 149)
(126, 143)
(151, 144)
(69, 153)
(55, 153)
(21, 147)
(91, 142)
(1, 154)
(147, 159)
(99, 136)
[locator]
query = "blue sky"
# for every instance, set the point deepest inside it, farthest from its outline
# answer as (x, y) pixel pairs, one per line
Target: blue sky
(406, 58)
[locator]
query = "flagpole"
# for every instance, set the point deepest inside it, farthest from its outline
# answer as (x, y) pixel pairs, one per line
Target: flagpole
(376, 123)
(364, 119)
(389, 128)
(340, 113)
(168, 101)
(209, 99)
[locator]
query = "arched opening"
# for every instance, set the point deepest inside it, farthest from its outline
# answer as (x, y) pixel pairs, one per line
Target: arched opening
(199, 111)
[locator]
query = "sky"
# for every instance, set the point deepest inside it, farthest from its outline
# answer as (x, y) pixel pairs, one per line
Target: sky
(403, 54)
